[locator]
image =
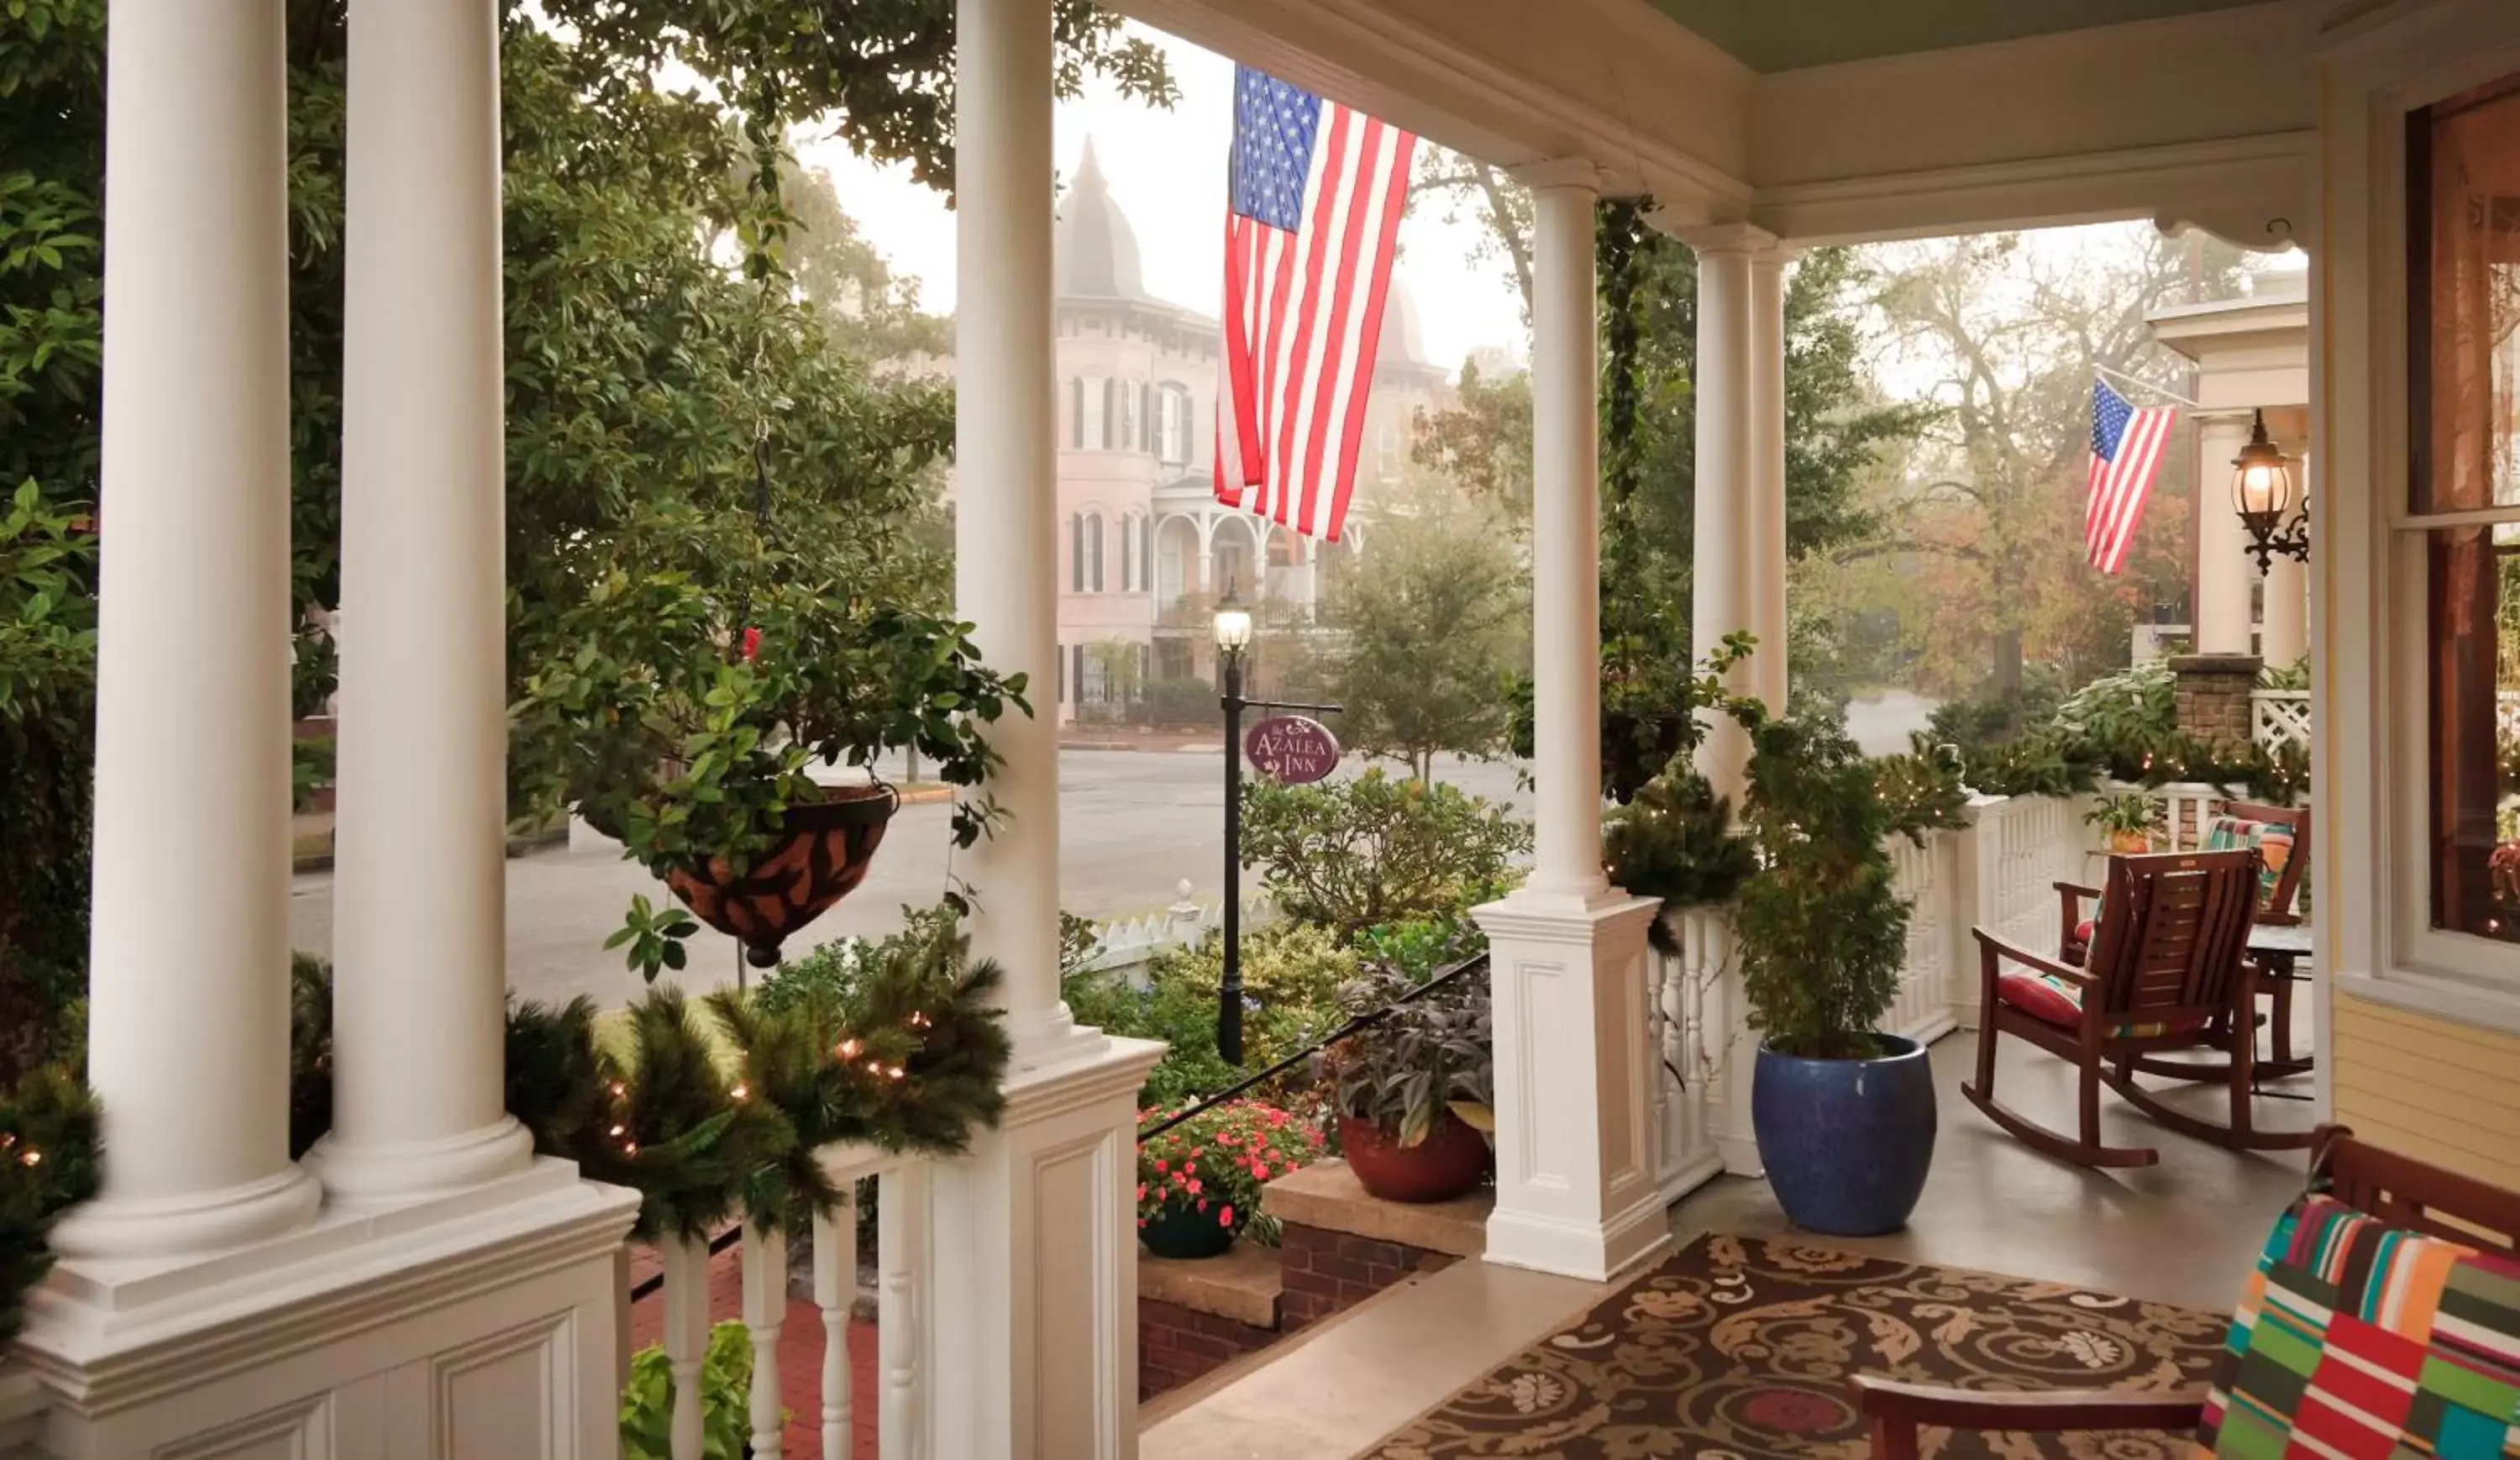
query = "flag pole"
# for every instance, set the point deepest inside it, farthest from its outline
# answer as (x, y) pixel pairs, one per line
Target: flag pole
(2143, 384)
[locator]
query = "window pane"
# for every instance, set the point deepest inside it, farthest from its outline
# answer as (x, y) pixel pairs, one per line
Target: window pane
(2463, 239)
(2474, 574)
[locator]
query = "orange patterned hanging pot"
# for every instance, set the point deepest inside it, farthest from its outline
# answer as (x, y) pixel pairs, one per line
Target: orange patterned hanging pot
(829, 846)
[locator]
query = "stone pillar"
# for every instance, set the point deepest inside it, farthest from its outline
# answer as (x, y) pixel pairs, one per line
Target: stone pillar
(1767, 403)
(2212, 695)
(1033, 1301)
(188, 1015)
(1575, 1080)
(1727, 557)
(2226, 574)
(420, 905)
(2285, 635)
(1006, 491)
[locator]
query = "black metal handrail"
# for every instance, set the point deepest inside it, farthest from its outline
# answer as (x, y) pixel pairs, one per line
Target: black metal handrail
(1478, 960)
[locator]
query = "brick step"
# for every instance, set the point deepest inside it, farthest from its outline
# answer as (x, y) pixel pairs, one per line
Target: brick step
(1339, 1246)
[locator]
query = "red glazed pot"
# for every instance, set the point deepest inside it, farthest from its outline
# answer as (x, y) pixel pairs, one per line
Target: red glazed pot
(1451, 1162)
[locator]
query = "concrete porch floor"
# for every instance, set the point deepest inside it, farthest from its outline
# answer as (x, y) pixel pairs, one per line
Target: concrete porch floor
(2185, 1231)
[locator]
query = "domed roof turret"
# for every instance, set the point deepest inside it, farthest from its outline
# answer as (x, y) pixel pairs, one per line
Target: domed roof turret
(1094, 247)
(1400, 344)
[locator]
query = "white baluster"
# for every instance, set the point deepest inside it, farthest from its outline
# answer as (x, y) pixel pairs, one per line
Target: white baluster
(765, 1307)
(687, 1334)
(836, 1293)
(901, 1223)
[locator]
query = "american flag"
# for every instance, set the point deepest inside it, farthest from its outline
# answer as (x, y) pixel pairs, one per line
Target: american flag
(1318, 192)
(2126, 456)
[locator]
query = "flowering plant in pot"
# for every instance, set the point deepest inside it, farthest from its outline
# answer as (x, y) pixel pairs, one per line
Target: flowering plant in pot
(1199, 1182)
(1415, 1088)
(681, 701)
(2128, 819)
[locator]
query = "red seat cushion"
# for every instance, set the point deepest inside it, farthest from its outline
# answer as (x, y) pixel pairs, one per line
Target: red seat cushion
(2051, 999)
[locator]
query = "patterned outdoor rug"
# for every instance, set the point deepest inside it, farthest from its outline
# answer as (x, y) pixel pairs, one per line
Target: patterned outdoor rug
(1739, 1349)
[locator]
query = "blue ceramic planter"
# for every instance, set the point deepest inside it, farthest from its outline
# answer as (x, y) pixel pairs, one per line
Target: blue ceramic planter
(1847, 1143)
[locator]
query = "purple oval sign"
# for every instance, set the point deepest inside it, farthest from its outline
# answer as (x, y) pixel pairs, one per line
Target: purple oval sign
(1291, 750)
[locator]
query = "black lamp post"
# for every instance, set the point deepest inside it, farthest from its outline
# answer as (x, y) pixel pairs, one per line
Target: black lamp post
(1233, 640)
(2262, 493)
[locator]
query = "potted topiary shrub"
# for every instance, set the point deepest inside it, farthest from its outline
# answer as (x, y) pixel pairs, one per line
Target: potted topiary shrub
(1416, 1089)
(1844, 1113)
(684, 715)
(1199, 1182)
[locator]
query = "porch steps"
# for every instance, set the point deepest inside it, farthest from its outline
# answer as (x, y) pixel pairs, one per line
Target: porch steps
(1340, 1247)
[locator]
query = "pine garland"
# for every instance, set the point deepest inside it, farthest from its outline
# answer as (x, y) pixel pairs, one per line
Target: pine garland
(49, 1153)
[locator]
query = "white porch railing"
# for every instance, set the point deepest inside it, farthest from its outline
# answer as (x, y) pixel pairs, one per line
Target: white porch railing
(1126, 945)
(901, 1264)
(2279, 718)
(1998, 871)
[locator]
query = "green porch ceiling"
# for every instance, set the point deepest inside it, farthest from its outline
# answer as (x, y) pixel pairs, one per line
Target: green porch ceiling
(1781, 35)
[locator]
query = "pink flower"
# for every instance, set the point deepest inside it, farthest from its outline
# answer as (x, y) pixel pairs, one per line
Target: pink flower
(1160, 1166)
(1194, 1187)
(1259, 1172)
(1142, 1191)
(752, 645)
(1225, 1218)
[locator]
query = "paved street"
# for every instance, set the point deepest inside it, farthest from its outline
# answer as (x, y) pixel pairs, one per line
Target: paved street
(1133, 824)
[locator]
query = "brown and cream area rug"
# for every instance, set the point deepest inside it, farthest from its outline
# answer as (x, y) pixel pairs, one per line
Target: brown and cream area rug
(1739, 1349)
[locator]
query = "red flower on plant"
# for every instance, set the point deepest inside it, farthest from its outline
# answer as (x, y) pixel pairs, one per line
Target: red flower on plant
(752, 645)
(1225, 1218)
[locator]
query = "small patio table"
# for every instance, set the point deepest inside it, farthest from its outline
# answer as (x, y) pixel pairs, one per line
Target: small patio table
(2279, 949)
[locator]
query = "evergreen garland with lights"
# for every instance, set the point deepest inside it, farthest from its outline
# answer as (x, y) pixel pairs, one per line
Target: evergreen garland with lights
(49, 1152)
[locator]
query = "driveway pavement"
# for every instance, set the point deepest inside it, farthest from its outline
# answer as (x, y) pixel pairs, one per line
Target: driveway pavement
(1133, 824)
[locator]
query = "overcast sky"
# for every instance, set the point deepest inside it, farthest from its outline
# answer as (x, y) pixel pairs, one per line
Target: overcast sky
(1167, 172)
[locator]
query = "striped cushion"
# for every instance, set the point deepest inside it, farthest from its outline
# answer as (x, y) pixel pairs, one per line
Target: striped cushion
(2058, 1001)
(2360, 1340)
(2271, 840)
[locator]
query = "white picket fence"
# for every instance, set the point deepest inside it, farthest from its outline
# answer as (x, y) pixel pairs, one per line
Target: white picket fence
(901, 1296)
(1998, 872)
(1126, 945)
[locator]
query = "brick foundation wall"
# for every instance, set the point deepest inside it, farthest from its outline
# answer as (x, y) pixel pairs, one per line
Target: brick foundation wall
(1177, 1345)
(1327, 1272)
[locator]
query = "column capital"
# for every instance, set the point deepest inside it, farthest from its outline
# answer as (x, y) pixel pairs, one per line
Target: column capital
(1558, 172)
(1730, 238)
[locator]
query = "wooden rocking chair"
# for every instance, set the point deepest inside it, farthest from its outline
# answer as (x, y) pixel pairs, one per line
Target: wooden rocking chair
(2277, 894)
(2402, 1192)
(2167, 971)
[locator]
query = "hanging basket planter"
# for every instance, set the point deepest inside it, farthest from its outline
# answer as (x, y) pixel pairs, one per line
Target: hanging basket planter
(828, 847)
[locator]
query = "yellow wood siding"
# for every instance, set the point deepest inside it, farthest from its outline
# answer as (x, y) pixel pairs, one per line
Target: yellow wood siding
(2443, 1092)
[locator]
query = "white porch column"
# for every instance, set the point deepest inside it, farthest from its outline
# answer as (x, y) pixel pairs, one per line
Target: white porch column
(1725, 567)
(420, 905)
(1005, 527)
(2225, 571)
(1575, 1088)
(188, 1015)
(1767, 405)
(1033, 1303)
(2284, 634)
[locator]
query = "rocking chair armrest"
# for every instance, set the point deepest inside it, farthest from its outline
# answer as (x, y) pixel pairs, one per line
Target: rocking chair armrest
(1896, 1407)
(1997, 948)
(2077, 890)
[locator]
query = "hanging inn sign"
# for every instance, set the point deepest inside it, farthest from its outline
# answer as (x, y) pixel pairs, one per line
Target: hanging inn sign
(1291, 749)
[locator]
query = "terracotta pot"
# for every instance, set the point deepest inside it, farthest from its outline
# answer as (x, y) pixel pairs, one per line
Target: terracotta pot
(828, 847)
(1451, 1161)
(1186, 1232)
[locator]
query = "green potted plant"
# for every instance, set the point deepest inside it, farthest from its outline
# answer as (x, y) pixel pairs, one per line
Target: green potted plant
(682, 709)
(1199, 1182)
(1416, 1089)
(2127, 819)
(1844, 1113)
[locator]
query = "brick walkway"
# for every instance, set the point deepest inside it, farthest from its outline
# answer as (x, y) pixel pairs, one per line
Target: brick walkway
(800, 1353)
